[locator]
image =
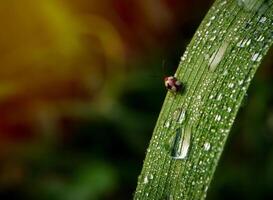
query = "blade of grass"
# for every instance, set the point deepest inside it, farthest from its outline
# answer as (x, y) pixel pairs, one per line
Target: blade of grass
(216, 70)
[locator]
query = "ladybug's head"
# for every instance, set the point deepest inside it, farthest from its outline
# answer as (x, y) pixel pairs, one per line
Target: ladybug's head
(167, 78)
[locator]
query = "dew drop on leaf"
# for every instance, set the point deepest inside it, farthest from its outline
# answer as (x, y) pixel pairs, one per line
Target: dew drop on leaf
(182, 117)
(207, 146)
(217, 56)
(146, 180)
(249, 5)
(180, 143)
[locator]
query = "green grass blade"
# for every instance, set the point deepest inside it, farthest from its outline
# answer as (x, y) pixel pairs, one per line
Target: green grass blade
(216, 70)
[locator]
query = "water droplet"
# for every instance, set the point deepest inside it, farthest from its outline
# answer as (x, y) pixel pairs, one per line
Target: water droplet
(248, 42)
(260, 38)
(207, 146)
(208, 24)
(217, 117)
(231, 85)
(176, 113)
(241, 82)
(217, 56)
(262, 20)
(256, 57)
(206, 188)
(229, 109)
(249, 5)
(243, 43)
(181, 143)
(225, 73)
(167, 124)
(212, 38)
(146, 180)
(219, 97)
(182, 117)
(223, 3)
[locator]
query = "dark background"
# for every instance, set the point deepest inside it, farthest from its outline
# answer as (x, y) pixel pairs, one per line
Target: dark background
(80, 91)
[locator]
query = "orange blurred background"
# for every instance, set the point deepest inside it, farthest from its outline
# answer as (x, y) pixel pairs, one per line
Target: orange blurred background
(57, 56)
(65, 68)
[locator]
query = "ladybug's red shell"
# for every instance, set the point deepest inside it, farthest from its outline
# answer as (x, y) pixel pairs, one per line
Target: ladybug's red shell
(172, 84)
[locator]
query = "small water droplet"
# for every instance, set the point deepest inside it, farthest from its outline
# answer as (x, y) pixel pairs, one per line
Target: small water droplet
(206, 189)
(219, 97)
(167, 124)
(231, 85)
(217, 56)
(260, 38)
(217, 117)
(223, 3)
(207, 146)
(248, 42)
(208, 24)
(256, 57)
(182, 117)
(212, 38)
(176, 113)
(225, 72)
(241, 82)
(262, 20)
(229, 109)
(181, 143)
(146, 180)
(243, 43)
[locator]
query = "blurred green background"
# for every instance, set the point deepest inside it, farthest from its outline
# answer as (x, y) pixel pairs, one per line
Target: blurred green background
(81, 89)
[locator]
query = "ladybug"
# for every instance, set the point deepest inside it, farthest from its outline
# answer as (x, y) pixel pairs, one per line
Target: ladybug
(172, 84)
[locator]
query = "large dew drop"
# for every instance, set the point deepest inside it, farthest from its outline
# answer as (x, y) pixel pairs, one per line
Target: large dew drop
(250, 5)
(180, 143)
